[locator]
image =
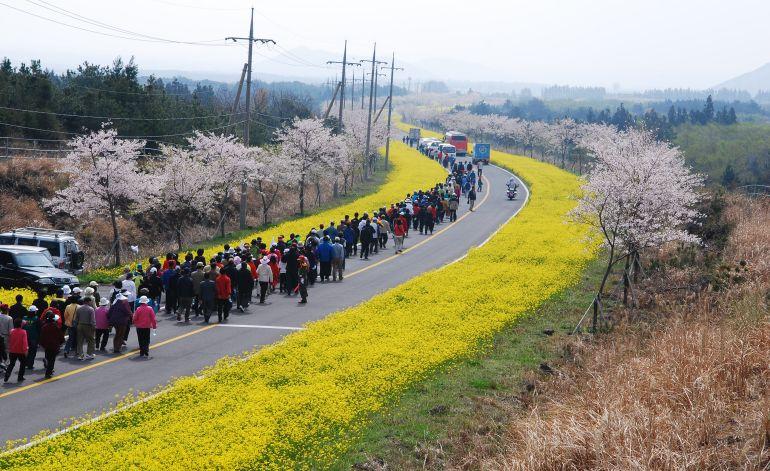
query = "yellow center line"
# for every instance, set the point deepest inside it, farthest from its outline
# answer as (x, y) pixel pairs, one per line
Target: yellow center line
(101, 363)
(202, 329)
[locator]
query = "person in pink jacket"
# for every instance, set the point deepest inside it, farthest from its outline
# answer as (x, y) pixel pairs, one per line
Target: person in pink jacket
(144, 320)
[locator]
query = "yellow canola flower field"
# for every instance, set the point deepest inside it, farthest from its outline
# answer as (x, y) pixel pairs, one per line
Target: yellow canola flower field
(302, 402)
(407, 173)
(8, 296)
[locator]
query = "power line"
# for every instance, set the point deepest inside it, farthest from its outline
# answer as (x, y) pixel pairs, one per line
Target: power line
(115, 118)
(174, 4)
(168, 41)
(126, 137)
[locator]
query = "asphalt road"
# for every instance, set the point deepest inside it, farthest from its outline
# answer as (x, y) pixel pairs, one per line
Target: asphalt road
(79, 388)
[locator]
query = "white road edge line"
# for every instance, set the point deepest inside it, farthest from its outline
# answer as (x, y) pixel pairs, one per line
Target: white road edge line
(163, 391)
(248, 326)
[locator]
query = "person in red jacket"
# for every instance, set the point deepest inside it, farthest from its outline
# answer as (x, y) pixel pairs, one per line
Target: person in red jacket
(17, 350)
(51, 339)
(224, 290)
(399, 230)
(144, 320)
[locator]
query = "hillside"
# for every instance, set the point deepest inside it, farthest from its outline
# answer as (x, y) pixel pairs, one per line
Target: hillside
(752, 82)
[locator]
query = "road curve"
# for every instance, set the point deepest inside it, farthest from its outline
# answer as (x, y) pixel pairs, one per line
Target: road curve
(80, 388)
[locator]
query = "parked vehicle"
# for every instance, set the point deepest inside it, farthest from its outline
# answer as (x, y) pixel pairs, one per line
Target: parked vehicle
(30, 267)
(414, 134)
(448, 150)
(432, 148)
(425, 142)
(64, 249)
(459, 140)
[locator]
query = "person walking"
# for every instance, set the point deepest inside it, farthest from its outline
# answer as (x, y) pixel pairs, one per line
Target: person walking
(144, 320)
(302, 270)
(367, 234)
(102, 325)
(6, 325)
(119, 316)
(18, 349)
(51, 339)
(264, 277)
(325, 253)
(72, 304)
(223, 292)
(399, 231)
(208, 296)
(31, 323)
(197, 278)
(85, 320)
(292, 270)
(185, 291)
(384, 232)
(338, 259)
(453, 204)
(245, 286)
(471, 198)
(18, 310)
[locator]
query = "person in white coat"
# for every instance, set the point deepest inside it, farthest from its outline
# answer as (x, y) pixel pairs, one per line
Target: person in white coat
(264, 277)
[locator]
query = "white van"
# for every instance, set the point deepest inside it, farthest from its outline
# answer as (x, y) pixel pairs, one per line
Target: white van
(64, 249)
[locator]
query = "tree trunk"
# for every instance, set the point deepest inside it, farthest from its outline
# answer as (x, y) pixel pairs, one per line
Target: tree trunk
(317, 193)
(302, 196)
(115, 233)
(179, 238)
(222, 220)
(598, 299)
(336, 189)
(626, 281)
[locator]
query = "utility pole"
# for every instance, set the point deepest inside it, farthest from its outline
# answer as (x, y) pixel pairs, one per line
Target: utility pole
(393, 68)
(369, 115)
(344, 63)
(372, 91)
(246, 129)
(352, 90)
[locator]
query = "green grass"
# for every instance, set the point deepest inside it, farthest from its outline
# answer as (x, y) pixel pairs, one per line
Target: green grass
(451, 402)
(358, 190)
(744, 146)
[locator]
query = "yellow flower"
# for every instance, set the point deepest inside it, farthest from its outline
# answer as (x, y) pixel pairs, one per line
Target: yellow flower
(300, 403)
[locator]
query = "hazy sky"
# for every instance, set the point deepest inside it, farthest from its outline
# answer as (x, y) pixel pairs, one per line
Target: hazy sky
(635, 43)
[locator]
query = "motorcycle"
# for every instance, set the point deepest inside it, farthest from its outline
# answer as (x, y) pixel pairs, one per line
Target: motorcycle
(511, 193)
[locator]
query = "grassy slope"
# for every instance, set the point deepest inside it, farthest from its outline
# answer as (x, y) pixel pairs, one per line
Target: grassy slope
(709, 149)
(418, 430)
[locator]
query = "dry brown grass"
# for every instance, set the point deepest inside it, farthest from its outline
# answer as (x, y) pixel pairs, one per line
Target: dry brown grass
(686, 388)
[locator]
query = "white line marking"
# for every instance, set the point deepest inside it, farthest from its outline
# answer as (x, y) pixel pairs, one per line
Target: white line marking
(248, 326)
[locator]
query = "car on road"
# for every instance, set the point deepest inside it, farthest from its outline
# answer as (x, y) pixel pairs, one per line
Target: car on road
(64, 249)
(31, 267)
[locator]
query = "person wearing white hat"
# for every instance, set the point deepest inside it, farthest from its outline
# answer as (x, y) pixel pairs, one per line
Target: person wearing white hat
(102, 325)
(76, 290)
(265, 278)
(144, 320)
(66, 290)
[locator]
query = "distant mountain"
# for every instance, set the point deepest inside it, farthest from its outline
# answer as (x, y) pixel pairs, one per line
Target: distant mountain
(752, 82)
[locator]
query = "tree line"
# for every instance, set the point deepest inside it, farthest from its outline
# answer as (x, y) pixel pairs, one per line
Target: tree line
(59, 106)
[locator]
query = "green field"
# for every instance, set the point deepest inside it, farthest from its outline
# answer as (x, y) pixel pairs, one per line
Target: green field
(710, 149)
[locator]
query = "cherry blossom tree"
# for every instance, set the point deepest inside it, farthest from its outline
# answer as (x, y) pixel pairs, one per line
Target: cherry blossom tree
(307, 144)
(104, 179)
(228, 165)
(181, 197)
(638, 195)
(270, 174)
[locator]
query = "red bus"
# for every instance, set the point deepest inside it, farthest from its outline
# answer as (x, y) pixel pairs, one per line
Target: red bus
(459, 140)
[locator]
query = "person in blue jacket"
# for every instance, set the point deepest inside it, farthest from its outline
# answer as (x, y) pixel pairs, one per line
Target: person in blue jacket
(325, 253)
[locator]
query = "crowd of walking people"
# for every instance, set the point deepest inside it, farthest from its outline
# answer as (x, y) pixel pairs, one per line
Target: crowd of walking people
(78, 322)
